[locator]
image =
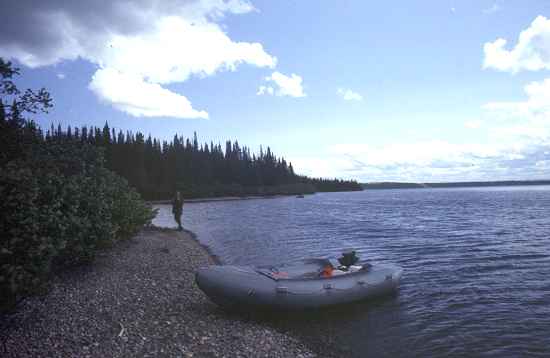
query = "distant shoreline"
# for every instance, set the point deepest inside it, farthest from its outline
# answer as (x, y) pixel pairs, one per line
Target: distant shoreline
(470, 184)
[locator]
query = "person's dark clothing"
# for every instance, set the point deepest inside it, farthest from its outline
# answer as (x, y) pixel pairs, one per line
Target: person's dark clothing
(177, 209)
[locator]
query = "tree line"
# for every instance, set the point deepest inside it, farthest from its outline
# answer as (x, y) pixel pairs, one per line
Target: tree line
(159, 168)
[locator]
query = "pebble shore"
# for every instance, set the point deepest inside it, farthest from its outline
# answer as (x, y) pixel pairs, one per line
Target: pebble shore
(138, 299)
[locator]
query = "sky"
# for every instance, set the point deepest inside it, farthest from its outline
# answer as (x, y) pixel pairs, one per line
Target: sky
(424, 91)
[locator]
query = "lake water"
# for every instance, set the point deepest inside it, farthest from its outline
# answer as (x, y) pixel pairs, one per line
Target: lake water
(476, 264)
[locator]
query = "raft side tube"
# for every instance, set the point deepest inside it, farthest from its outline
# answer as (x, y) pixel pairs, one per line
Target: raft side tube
(244, 286)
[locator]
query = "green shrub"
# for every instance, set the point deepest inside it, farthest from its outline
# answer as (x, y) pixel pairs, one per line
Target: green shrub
(25, 255)
(59, 205)
(127, 207)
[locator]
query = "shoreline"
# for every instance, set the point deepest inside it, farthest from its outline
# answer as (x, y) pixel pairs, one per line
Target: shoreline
(215, 258)
(223, 198)
(139, 298)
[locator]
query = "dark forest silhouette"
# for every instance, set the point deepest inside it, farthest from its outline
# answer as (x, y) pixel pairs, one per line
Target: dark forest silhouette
(157, 169)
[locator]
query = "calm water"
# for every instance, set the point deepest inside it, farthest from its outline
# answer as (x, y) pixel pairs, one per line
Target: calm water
(476, 263)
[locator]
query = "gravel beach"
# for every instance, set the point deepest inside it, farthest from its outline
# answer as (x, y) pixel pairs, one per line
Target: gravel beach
(138, 299)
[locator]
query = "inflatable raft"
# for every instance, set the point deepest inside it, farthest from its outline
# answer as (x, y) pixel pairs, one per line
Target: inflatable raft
(293, 286)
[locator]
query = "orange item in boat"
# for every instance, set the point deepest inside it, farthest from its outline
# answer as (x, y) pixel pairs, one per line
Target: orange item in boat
(327, 271)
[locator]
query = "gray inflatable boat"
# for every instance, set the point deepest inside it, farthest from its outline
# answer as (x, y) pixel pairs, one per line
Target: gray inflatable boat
(296, 285)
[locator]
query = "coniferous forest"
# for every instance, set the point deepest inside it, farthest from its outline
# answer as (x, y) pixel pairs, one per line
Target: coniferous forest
(157, 169)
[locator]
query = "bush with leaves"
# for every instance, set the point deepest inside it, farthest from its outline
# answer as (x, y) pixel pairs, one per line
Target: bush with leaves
(127, 207)
(59, 202)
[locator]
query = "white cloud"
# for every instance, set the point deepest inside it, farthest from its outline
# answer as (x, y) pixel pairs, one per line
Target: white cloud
(525, 121)
(283, 85)
(493, 9)
(182, 40)
(535, 109)
(418, 154)
(427, 161)
(265, 90)
(61, 76)
(349, 95)
(529, 133)
(179, 49)
(137, 97)
(532, 51)
(473, 124)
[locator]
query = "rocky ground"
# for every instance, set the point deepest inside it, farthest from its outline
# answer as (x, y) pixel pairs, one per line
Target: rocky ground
(138, 299)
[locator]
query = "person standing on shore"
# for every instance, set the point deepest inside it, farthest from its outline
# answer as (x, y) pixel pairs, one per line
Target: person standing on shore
(177, 209)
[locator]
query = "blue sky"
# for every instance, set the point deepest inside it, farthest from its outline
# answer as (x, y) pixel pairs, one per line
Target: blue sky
(418, 91)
